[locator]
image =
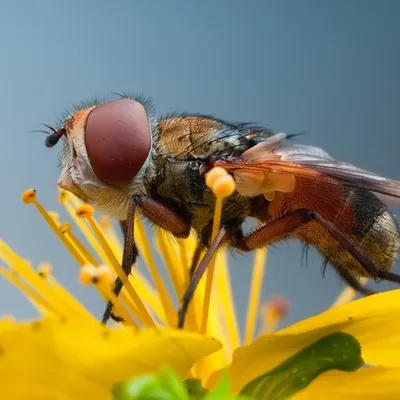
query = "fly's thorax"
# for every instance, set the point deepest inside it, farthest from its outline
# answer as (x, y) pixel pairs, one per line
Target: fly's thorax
(181, 185)
(183, 137)
(189, 137)
(185, 144)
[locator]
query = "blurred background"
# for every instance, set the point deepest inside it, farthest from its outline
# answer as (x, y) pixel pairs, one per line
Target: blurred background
(328, 68)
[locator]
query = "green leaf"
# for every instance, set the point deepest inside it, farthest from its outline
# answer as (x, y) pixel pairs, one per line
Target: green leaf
(223, 391)
(163, 385)
(338, 350)
(195, 389)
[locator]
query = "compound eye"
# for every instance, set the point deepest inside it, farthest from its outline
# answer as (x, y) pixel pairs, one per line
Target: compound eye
(118, 140)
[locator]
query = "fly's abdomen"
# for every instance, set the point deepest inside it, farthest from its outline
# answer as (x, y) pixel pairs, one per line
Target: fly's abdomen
(367, 220)
(354, 212)
(376, 232)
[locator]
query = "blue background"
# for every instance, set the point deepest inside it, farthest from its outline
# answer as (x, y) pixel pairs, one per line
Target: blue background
(328, 68)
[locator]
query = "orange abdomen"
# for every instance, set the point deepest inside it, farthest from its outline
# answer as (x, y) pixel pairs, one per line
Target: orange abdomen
(358, 213)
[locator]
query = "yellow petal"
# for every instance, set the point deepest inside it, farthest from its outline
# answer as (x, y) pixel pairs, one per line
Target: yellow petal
(373, 320)
(365, 384)
(79, 359)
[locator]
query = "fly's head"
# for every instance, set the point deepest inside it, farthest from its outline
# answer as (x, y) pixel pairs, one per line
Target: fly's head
(106, 152)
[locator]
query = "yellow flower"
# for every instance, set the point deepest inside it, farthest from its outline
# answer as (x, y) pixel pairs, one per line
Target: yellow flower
(67, 354)
(75, 358)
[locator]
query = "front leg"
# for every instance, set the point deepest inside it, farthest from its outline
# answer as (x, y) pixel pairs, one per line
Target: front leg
(129, 256)
(162, 216)
(157, 213)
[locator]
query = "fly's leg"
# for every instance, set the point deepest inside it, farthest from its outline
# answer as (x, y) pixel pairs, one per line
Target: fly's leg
(118, 283)
(195, 259)
(274, 231)
(164, 217)
(353, 282)
(198, 274)
(157, 213)
(122, 224)
(283, 226)
(129, 256)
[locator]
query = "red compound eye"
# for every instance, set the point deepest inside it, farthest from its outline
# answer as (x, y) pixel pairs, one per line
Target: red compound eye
(118, 140)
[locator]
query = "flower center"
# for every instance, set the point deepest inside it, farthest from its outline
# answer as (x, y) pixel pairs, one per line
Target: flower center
(145, 302)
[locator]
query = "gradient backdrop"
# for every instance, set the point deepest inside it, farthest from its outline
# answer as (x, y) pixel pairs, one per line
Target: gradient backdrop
(329, 68)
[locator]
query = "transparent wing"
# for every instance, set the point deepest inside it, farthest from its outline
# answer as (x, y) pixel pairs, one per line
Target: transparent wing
(262, 171)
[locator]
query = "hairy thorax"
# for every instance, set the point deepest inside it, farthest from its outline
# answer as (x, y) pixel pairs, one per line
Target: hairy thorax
(181, 186)
(184, 146)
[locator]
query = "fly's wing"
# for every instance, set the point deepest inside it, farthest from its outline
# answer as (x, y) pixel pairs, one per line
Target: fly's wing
(266, 170)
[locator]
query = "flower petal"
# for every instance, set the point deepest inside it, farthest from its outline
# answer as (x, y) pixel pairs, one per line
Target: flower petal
(79, 359)
(373, 320)
(365, 384)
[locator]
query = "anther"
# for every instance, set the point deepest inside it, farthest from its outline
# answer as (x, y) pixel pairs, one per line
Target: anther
(62, 196)
(274, 311)
(279, 306)
(65, 227)
(44, 270)
(88, 274)
(213, 175)
(105, 222)
(29, 196)
(104, 274)
(224, 186)
(85, 211)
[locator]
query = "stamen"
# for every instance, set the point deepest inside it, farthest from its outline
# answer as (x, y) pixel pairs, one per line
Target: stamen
(29, 197)
(41, 303)
(347, 294)
(222, 185)
(68, 201)
(66, 229)
(44, 271)
(144, 248)
(171, 261)
(219, 315)
(174, 268)
(143, 287)
(86, 274)
(63, 196)
(30, 278)
(86, 212)
(227, 302)
(112, 238)
(257, 280)
(41, 283)
(101, 278)
(273, 313)
(148, 294)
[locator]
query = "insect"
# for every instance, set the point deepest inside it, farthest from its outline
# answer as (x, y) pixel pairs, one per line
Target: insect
(119, 158)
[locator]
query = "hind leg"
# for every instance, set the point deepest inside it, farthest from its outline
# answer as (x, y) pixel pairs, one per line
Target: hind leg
(353, 282)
